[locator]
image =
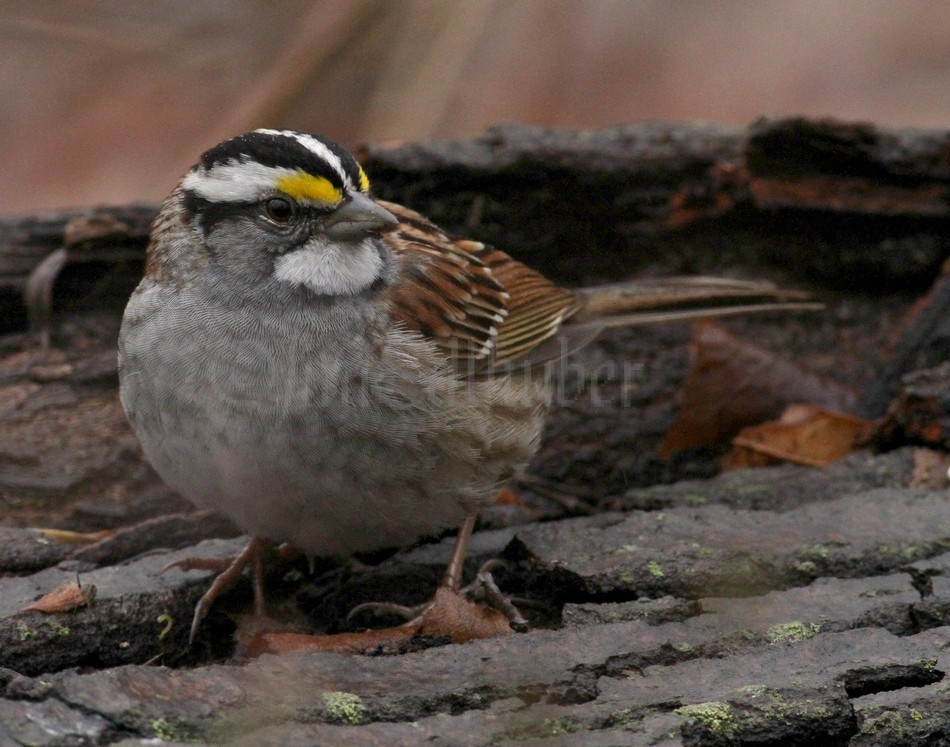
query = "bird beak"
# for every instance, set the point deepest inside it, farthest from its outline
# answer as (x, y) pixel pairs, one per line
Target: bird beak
(356, 217)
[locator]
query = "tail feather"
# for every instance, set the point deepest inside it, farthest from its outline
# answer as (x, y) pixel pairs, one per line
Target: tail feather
(671, 299)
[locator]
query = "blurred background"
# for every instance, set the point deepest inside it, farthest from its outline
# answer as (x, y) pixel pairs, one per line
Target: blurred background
(108, 101)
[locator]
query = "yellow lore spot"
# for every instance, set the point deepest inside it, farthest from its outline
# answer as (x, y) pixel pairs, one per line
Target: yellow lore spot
(364, 180)
(304, 186)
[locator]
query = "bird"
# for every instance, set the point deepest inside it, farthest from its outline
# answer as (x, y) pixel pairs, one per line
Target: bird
(335, 372)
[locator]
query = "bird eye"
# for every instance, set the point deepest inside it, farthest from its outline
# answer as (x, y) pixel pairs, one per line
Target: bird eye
(280, 210)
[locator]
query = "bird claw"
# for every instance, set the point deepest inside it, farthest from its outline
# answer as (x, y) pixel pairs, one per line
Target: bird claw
(199, 564)
(483, 590)
(229, 570)
(411, 615)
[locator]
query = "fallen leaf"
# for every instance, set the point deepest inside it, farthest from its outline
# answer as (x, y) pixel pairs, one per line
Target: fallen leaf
(450, 616)
(454, 616)
(507, 497)
(734, 384)
(67, 537)
(805, 434)
(64, 599)
(340, 643)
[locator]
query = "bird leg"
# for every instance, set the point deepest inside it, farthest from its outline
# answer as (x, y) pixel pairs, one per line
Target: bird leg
(230, 570)
(483, 588)
(453, 571)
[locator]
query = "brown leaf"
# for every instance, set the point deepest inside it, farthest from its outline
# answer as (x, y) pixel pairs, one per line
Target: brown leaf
(734, 384)
(805, 434)
(507, 497)
(64, 599)
(67, 537)
(341, 643)
(461, 620)
(450, 616)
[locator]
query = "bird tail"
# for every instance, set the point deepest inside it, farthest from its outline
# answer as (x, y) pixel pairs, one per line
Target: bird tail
(655, 300)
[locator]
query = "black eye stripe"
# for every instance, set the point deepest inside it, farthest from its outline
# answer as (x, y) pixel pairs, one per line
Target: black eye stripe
(208, 213)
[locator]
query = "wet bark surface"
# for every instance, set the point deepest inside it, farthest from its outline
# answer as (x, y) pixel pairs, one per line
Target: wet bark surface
(674, 604)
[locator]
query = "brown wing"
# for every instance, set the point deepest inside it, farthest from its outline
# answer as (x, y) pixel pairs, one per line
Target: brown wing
(480, 306)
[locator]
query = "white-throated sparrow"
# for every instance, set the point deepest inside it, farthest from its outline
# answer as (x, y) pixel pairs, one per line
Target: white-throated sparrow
(337, 373)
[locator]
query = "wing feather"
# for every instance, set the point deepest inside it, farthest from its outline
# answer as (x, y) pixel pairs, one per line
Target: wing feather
(481, 307)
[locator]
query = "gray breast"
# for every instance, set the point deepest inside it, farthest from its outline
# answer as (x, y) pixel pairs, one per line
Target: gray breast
(315, 423)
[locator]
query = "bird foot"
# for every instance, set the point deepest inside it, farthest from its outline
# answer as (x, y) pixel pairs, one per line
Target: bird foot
(482, 590)
(229, 571)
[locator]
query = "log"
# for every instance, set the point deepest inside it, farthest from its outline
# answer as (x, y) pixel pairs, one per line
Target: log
(785, 605)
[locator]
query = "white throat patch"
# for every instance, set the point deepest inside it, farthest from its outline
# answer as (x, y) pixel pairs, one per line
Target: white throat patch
(331, 269)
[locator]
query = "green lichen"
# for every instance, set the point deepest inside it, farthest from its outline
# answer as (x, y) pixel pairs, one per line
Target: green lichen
(166, 730)
(344, 708)
(813, 551)
(24, 632)
(555, 727)
(806, 566)
(793, 631)
(57, 627)
(928, 665)
(899, 726)
(888, 722)
(655, 570)
(623, 718)
(751, 489)
(695, 499)
(716, 717)
(625, 549)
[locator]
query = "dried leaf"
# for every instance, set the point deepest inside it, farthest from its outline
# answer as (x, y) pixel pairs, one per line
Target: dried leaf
(64, 599)
(507, 497)
(450, 616)
(67, 537)
(734, 384)
(805, 434)
(456, 617)
(340, 643)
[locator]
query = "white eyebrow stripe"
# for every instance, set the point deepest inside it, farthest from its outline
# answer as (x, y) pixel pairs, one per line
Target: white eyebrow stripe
(247, 181)
(317, 148)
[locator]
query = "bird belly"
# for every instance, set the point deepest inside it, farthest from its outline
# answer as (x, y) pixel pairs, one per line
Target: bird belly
(333, 443)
